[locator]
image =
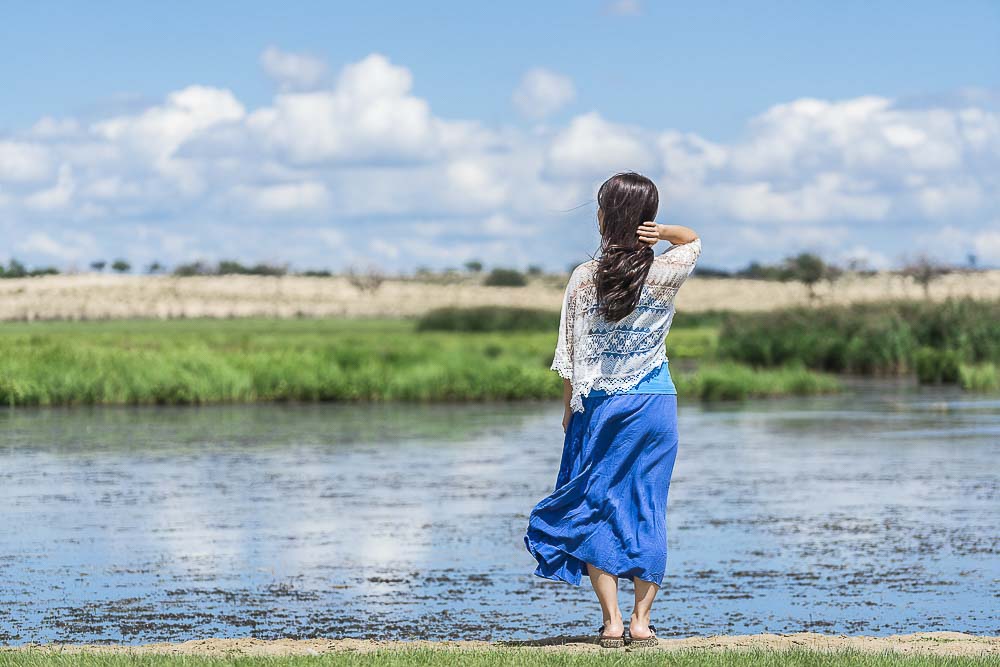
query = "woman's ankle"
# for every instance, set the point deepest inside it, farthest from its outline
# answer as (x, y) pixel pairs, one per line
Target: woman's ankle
(613, 623)
(637, 619)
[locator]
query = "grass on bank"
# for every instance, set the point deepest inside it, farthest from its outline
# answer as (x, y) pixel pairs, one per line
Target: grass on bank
(979, 377)
(932, 340)
(247, 360)
(492, 318)
(732, 381)
(504, 657)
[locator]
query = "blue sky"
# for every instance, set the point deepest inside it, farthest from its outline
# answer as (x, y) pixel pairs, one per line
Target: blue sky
(856, 129)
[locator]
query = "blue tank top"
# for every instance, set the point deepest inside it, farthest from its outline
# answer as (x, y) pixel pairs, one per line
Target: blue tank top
(657, 381)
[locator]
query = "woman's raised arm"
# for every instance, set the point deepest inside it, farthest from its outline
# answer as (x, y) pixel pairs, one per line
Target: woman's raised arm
(651, 232)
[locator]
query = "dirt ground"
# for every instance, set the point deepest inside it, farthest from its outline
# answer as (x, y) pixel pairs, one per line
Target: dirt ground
(101, 296)
(926, 643)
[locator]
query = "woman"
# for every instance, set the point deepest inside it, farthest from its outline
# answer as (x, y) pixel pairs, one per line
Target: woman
(607, 515)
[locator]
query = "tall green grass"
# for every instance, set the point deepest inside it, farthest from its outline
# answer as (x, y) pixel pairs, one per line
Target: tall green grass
(254, 360)
(210, 361)
(932, 339)
(979, 377)
(488, 318)
(732, 381)
(492, 318)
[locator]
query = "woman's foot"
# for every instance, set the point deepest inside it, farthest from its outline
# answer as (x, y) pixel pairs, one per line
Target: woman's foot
(641, 632)
(611, 634)
(613, 628)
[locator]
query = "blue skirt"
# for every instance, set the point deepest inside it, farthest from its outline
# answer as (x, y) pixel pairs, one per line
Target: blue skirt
(609, 507)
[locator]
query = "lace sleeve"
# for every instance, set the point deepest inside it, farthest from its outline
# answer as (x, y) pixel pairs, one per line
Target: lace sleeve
(679, 261)
(562, 362)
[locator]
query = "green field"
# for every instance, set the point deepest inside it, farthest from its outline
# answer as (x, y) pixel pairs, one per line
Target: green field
(246, 360)
(957, 341)
(505, 657)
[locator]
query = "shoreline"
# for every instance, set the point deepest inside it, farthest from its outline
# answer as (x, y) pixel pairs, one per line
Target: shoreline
(921, 643)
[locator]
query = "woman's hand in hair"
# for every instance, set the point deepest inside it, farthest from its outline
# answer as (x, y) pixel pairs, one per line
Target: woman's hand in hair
(649, 233)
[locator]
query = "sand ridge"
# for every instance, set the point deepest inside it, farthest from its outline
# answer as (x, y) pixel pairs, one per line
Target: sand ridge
(101, 296)
(921, 643)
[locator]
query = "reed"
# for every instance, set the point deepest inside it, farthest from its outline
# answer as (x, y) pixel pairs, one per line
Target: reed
(872, 339)
(733, 381)
(488, 318)
(212, 361)
(979, 377)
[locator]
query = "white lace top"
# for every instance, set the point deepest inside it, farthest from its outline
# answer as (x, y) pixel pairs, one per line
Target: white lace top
(594, 353)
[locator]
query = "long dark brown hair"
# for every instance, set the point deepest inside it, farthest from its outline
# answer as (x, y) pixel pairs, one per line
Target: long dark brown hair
(627, 200)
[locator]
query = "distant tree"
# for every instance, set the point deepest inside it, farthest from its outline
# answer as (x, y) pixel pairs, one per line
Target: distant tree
(316, 273)
(505, 278)
(859, 265)
(808, 269)
(751, 270)
(15, 269)
(229, 267)
(198, 268)
(924, 271)
(832, 274)
(759, 271)
(265, 269)
(711, 272)
(971, 259)
(121, 266)
(155, 267)
(366, 280)
(474, 266)
(535, 270)
(232, 267)
(98, 265)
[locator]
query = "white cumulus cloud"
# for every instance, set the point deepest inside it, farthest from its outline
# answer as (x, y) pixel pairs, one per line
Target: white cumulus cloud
(335, 155)
(592, 146)
(542, 92)
(283, 198)
(23, 162)
(293, 71)
(369, 116)
(71, 246)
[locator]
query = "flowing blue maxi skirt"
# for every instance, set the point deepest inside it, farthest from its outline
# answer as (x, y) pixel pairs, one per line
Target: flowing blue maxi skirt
(609, 507)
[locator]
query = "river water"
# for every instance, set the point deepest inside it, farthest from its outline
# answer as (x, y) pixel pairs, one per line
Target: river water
(874, 512)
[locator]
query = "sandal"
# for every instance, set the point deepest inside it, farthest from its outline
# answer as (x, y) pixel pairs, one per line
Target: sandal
(609, 642)
(651, 640)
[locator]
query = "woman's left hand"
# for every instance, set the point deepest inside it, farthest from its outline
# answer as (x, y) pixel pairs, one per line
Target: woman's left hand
(649, 233)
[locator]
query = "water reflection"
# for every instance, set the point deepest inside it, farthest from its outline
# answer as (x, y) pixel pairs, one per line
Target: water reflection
(871, 513)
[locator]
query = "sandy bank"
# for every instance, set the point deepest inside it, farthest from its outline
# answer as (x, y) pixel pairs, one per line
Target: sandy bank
(925, 643)
(100, 296)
